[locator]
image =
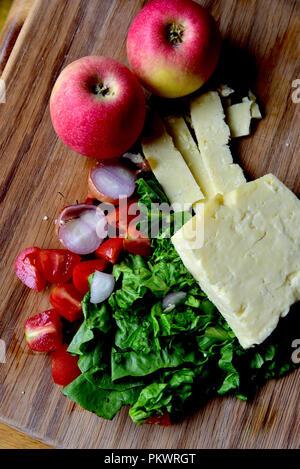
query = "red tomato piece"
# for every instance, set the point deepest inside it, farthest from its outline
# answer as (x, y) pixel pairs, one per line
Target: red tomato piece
(89, 200)
(67, 301)
(121, 216)
(43, 332)
(162, 420)
(64, 366)
(82, 272)
(56, 265)
(27, 271)
(110, 250)
(137, 242)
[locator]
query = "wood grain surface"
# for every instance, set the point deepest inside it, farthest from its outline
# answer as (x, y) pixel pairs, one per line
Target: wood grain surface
(39, 176)
(12, 27)
(13, 439)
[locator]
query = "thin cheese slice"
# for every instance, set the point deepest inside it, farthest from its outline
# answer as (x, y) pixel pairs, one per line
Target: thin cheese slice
(239, 116)
(169, 166)
(185, 143)
(248, 260)
(255, 111)
(225, 90)
(239, 119)
(209, 119)
(213, 136)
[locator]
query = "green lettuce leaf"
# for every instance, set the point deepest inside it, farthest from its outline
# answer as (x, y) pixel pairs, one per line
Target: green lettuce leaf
(103, 402)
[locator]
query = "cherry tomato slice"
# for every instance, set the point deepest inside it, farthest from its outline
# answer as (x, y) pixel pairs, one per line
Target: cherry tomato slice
(56, 265)
(82, 272)
(162, 420)
(27, 271)
(43, 332)
(121, 216)
(137, 242)
(64, 366)
(67, 301)
(110, 250)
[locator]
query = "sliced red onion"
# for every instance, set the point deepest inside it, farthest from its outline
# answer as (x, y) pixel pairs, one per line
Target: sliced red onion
(82, 228)
(172, 300)
(102, 287)
(111, 182)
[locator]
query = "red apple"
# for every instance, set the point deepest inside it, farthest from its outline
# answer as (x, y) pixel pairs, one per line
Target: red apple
(98, 107)
(173, 47)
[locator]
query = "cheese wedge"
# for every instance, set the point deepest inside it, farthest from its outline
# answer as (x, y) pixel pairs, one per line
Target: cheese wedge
(213, 136)
(185, 143)
(169, 166)
(248, 261)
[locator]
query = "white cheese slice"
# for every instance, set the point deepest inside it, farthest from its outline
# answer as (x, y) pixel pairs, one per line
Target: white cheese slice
(225, 90)
(255, 111)
(239, 116)
(209, 120)
(213, 136)
(249, 260)
(185, 143)
(169, 166)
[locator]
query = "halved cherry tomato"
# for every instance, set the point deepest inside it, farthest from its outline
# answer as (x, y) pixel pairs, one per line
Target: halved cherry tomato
(121, 216)
(162, 420)
(43, 332)
(64, 366)
(137, 242)
(27, 271)
(89, 200)
(67, 301)
(110, 250)
(82, 272)
(56, 265)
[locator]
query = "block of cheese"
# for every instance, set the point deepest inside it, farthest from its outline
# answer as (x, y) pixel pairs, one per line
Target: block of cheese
(213, 136)
(249, 260)
(239, 116)
(185, 143)
(168, 165)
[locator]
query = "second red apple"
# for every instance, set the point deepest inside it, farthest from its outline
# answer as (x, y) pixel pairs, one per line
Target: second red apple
(98, 107)
(173, 47)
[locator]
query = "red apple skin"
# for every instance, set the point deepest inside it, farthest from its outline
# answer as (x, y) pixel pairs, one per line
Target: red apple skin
(101, 126)
(173, 70)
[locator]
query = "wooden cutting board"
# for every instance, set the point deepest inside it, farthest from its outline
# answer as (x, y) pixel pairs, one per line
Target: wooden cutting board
(9, 33)
(39, 176)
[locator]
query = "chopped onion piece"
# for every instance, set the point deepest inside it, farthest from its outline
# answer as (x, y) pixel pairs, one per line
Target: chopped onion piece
(111, 182)
(102, 287)
(172, 300)
(82, 228)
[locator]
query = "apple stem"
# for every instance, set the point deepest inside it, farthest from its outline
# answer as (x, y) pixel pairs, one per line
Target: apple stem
(101, 89)
(175, 33)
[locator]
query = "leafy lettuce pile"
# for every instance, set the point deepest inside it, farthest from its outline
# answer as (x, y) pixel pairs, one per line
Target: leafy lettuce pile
(131, 352)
